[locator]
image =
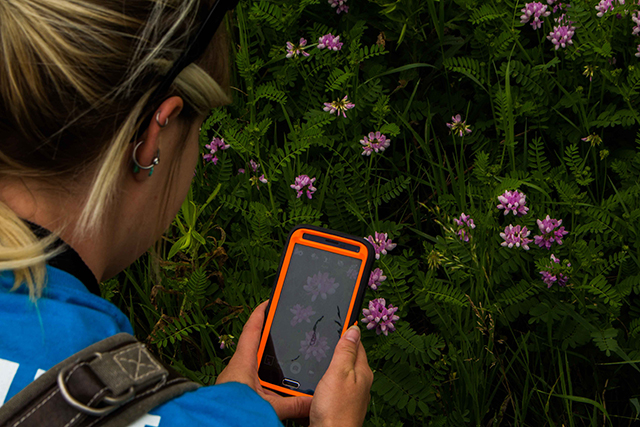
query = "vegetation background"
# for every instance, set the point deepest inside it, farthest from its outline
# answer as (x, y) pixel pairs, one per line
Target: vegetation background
(481, 340)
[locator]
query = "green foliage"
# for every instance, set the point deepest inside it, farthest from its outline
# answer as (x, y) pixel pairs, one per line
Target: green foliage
(483, 337)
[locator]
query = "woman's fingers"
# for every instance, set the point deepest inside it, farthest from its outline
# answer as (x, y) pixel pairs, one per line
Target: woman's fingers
(249, 341)
(290, 407)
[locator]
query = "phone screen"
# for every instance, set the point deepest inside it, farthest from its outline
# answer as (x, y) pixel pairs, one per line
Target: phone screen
(309, 318)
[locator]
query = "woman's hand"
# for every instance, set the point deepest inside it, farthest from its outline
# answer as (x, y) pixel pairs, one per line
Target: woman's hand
(342, 395)
(243, 368)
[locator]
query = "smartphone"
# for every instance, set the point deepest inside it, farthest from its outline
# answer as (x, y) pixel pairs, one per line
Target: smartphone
(317, 296)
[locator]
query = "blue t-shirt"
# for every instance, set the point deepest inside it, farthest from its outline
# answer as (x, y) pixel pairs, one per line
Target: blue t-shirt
(68, 318)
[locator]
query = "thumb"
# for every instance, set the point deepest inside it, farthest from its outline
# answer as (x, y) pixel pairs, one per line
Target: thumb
(290, 407)
(346, 352)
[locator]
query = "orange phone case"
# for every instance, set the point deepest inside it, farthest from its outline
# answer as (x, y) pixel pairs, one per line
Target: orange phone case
(365, 254)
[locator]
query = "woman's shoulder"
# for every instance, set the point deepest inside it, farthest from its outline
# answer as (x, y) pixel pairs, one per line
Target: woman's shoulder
(229, 404)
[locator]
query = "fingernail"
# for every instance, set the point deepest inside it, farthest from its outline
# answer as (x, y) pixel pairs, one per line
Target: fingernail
(353, 334)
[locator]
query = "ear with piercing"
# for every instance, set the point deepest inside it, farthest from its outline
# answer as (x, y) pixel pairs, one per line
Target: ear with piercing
(137, 166)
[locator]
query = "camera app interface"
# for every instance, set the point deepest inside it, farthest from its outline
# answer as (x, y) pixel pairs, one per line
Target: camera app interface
(311, 313)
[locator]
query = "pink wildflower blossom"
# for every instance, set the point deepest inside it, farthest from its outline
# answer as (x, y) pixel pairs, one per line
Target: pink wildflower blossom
(380, 317)
(339, 106)
(516, 236)
(550, 232)
(295, 50)
(213, 147)
(465, 222)
(458, 126)
(561, 35)
(339, 5)
(304, 181)
(226, 341)
(513, 201)
(535, 10)
(262, 179)
(329, 41)
(381, 243)
(374, 142)
(376, 278)
(549, 277)
(605, 6)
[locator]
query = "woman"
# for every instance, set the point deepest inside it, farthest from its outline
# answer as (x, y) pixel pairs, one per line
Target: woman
(92, 92)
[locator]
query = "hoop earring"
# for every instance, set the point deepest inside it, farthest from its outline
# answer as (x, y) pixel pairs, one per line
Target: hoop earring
(166, 120)
(137, 166)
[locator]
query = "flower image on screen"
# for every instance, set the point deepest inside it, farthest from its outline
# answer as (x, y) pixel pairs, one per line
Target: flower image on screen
(311, 312)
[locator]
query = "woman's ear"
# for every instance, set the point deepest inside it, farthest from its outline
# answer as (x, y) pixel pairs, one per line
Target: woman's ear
(147, 148)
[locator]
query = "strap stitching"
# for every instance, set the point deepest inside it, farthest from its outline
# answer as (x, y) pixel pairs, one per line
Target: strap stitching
(141, 348)
(53, 393)
(88, 404)
(138, 398)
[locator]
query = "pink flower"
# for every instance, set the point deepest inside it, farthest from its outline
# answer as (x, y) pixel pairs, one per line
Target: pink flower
(516, 236)
(320, 284)
(551, 276)
(381, 318)
(465, 222)
(535, 10)
(340, 5)
(262, 179)
(458, 126)
(339, 106)
(330, 42)
(376, 278)
(374, 142)
(213, 147)
(301, 314)
(381, 243)
(254, 166)
(513, 201)
(551, 232)
(314, 346)
(295, 50)
(304, 181)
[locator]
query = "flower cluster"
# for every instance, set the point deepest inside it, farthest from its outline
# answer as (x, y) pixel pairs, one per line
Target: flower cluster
(226, 341)
(465, 222)
(381, 243)
(294, 50)
(376, 278)
(513, 201)
(551, 232)
(516, 236)
(304, 181)
(255, 167)
(635, 17)
(605, 6)
(374, 142)
(380, 317)
(213, 147)
(339, 5)
(549, 276)
(329, 41)
(535, 10)
(561, 35)
(339, 106)
(458, 126)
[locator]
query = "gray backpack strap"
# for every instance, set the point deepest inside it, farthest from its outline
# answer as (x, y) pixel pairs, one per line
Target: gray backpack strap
(109, 384)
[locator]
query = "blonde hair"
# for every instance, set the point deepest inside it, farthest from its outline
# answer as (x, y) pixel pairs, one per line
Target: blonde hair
(72, 71)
